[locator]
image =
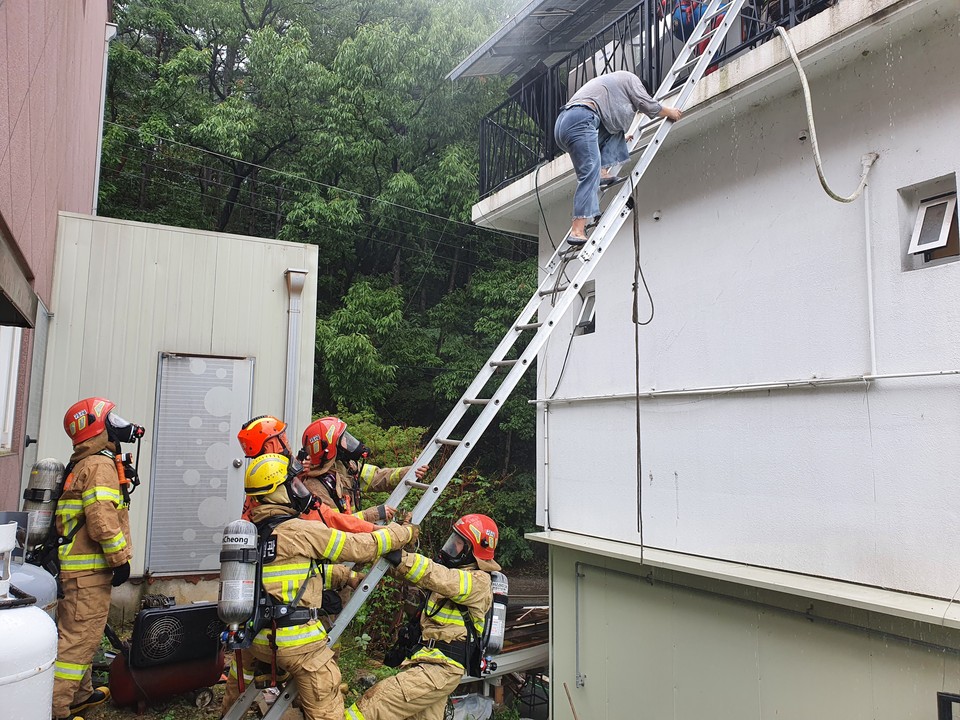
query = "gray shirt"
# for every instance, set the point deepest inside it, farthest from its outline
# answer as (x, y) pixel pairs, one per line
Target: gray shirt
(618, 97)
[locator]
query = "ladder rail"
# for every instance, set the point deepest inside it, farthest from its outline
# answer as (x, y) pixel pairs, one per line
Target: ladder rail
(559, 302)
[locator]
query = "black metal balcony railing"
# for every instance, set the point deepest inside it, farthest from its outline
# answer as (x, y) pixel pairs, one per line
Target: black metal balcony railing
(518, 135)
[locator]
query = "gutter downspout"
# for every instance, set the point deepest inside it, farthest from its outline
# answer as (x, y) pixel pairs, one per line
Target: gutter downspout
(109, 33)
(296, 279)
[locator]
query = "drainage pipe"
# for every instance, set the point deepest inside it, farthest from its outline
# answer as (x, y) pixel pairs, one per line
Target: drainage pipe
(109, 33)
(296, 279)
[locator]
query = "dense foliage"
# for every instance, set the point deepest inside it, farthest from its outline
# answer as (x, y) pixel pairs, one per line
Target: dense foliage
(332, 122)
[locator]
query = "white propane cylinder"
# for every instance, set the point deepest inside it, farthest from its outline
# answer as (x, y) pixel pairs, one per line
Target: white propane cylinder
(39, 583)
(29, 646)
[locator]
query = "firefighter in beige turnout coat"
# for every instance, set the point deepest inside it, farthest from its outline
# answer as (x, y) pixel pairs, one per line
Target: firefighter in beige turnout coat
(92, 514)
(331, 455)
(460, 589)
(302, 546)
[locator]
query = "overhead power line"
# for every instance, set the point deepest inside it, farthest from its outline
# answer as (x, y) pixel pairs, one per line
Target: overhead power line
(318, 183)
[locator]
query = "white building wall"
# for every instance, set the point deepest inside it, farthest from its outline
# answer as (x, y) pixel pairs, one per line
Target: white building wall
(124, 292)
(757, 276)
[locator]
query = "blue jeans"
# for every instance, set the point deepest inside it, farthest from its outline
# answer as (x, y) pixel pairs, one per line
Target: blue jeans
(579, 132)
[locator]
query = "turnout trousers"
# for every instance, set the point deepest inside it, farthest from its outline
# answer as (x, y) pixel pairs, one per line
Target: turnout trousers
(419, 692)
(314, 671)
(81, 618)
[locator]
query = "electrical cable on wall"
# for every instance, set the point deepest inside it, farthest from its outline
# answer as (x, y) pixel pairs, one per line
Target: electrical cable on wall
(866, 161)
(637, 277)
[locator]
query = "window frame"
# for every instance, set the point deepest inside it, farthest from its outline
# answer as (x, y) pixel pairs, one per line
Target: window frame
(916, 247)
(11, 344)
(587, 320)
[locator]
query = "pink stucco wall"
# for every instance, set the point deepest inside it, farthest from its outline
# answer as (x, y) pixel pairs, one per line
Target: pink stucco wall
(51, 64)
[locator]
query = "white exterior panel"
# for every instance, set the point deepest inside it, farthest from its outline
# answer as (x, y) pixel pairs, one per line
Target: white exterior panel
(125, 292)
(758, 277)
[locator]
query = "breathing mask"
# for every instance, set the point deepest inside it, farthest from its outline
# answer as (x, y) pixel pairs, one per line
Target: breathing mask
(349, 448)
(121, 431)
(455, 552)
(301, 499)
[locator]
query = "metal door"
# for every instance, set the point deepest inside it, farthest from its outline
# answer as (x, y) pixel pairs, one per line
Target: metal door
(196, 482)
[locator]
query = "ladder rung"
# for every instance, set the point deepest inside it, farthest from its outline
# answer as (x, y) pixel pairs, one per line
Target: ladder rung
(448, 441)
(718, 13)
(529, 326)
(647, 125)
(556, 289)
(476, 401)
(708, 35)
(693, 61)
(503, 363)
(676, 91)
(416, 484)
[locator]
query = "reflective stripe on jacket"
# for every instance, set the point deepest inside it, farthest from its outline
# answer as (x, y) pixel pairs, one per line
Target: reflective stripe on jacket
(449, 588)
(301, 544)
(93, 502)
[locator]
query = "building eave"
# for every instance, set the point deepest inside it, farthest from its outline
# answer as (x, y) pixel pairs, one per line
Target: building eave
(918, 608)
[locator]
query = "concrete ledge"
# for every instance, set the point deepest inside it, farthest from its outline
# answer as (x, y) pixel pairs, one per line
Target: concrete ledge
(934, 611)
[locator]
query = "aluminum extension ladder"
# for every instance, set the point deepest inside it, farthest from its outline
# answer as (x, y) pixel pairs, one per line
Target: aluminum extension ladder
(541, 314)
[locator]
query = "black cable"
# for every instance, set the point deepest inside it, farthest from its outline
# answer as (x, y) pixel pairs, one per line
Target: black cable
(305, 179)
(638, 274)
(292, 191)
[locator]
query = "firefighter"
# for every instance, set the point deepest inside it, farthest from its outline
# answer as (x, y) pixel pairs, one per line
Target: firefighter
(267, 434)
(301, 548)
(460, 592)
(93, 524)
(331, 455)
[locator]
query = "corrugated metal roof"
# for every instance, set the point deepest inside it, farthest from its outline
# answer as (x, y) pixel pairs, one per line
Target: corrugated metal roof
(541, 31)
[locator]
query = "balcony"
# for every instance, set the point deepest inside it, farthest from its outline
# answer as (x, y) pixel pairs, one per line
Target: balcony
(518, 135)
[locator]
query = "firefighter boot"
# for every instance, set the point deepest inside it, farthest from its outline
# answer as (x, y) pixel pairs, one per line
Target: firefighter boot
(99, 696)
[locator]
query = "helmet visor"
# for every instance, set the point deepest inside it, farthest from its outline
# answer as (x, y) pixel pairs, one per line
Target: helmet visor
(455, 550)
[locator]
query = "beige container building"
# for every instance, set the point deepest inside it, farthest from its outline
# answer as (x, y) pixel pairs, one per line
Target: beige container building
(190, 333)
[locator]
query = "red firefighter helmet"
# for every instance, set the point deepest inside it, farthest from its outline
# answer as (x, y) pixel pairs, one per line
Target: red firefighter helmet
(321, 438)
(481, 534)
(255, 433)
(87, 418)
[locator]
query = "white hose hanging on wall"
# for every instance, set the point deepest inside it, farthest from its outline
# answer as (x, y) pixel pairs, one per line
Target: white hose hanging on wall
(866, 161)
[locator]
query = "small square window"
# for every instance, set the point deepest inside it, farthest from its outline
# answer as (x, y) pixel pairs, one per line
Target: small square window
(586, 322)
(948, 706)
(928, 223)
(9, 369)
(936, 221)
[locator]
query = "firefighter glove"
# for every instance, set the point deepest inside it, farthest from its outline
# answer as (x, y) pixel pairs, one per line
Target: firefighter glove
(394, 557)
(121, 573)
(414, 534)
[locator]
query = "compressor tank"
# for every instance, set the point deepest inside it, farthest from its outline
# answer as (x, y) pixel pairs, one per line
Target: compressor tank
(29, 645)
(40, 498)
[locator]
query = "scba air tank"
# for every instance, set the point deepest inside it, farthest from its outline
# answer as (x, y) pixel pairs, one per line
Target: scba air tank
(29, 645)
(498, 622)
(40, 498)
(238, 573)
